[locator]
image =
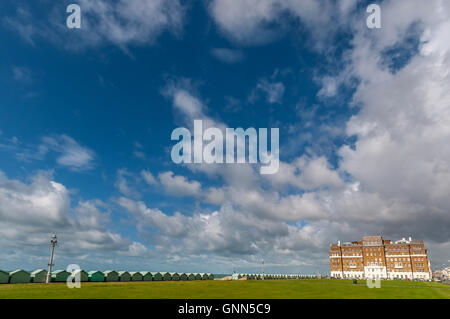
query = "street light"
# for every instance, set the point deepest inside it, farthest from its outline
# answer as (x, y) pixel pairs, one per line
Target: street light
(263, 269)
(50, 264)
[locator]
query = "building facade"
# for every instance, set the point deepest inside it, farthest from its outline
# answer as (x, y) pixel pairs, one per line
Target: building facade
(377, 258)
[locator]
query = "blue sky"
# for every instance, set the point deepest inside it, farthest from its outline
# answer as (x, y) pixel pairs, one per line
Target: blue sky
(86, 118)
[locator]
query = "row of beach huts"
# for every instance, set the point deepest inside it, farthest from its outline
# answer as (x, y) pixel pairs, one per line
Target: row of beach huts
(271, 276)
(39, 276)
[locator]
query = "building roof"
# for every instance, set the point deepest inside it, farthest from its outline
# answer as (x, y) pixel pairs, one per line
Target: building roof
(17, 271)
(38, 271)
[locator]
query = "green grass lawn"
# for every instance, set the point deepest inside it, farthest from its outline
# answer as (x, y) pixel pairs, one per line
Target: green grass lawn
(268, 289)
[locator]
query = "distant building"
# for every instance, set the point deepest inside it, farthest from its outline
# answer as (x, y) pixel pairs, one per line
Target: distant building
(377, 258)
(446, 273)
(438, 275)
(442, 274)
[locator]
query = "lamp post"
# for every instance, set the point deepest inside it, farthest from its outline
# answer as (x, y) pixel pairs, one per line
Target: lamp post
(263, 269)
(50, 265)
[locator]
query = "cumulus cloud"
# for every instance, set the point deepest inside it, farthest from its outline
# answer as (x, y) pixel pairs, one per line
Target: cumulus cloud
(392, 181)
(72, 154)
(31, 212)
(126, 182)
(69, 152)
(227, 232)
(256, 22)
(179, 185)
(122, 23)
(400, 159)
(148, 177)
(187, 105)
(307, 174)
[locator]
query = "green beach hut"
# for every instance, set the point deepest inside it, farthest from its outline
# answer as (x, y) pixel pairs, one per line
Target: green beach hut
(124, 276)
(191, 276)
(205, 276)
(60, 276)
(84, 276)
(96, 276)
(146, 276)
(175, 276)
(157, 276)
(183, 276)
(39, 275)
(111, 275)
(166, 276)
(198, 277)
(19, 276)
(4, 277)
(210, 276)
(136, 276)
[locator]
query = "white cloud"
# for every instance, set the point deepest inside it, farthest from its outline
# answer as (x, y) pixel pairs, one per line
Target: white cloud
(227, 232)
(272, 90)
(307, 174)
(72, 154)
(179, 185)
(255, 22)
(31, 212)
(244, 21)
(227, 55)
(124, 185)
(148, 177)
(122, 23)
(187, 105)
(41, 202)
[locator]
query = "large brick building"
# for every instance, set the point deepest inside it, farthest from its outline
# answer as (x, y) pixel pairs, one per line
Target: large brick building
(377, 258)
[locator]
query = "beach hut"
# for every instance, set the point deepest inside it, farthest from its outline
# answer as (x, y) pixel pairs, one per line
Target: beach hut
(84, 276)
(175, 276)
(124, 276)
(183, 276)
(136, 276)
(19, 276)
(157, 276)
(111, 275)
(96, 276)
(210, 276)
(146, 276)
(166, 276)
(204, 276)
(4, 277)
(198, 277)
(39, 275)
(191, 276)
(60, 276)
